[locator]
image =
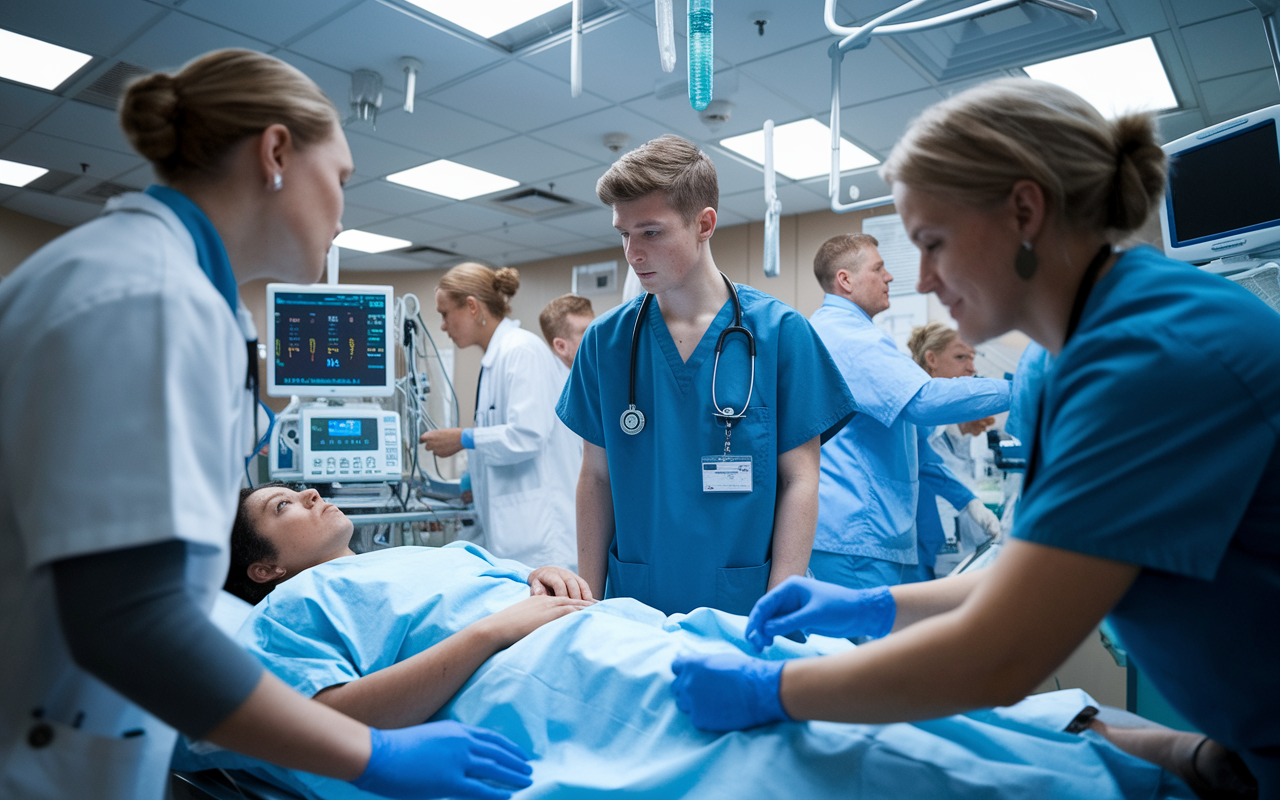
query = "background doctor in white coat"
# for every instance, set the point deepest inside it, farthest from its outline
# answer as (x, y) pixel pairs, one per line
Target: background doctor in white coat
(523, 461)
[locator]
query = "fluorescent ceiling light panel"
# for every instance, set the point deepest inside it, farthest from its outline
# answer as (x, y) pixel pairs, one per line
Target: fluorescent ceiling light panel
(488, 17)
(451, 179)
(1119, 79)
(801, 150)
(367, 242)
(37, 63)
(14, 174)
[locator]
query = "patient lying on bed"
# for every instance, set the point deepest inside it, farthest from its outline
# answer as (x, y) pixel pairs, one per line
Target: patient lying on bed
(586, 689)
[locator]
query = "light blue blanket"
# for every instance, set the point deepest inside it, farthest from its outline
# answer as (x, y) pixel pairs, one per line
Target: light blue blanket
(589, 696)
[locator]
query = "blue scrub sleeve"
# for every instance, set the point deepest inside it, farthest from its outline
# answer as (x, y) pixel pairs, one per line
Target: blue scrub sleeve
(1150, 451)
(129, 621)
(937, 478)
(469, 438)
(812, 399)
(579, 407)
(945, 401)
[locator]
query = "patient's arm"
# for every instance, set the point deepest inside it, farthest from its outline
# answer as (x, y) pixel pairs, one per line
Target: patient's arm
(559, 582)
(410, 692)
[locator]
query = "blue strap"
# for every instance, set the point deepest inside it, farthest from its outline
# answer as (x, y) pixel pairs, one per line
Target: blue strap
(211, 254)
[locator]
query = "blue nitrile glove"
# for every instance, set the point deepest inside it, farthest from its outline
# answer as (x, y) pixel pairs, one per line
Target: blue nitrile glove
(812, 606)
(727, 691)
(443, 759)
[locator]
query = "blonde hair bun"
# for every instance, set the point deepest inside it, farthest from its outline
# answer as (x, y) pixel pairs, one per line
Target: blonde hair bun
(147, 114)
(506, 281)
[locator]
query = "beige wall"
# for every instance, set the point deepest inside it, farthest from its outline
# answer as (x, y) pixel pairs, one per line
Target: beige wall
(20, 236)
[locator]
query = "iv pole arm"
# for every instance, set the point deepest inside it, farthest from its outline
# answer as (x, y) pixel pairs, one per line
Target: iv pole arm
(859, 37)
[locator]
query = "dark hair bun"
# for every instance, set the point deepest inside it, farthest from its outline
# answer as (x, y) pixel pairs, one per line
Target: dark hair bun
(506, 281)
(149, 114)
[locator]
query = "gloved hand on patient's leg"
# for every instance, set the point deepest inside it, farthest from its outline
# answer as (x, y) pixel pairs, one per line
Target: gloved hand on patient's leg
(444, 759)
(813, 606)
(727, 691)
(982, 515)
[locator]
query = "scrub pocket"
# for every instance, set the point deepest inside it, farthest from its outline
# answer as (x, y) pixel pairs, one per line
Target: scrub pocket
(738, 588)
(628, 579)
(53, 760)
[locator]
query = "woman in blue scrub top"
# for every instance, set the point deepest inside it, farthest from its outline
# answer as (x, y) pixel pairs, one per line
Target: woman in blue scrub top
(1153, 496)
(657, 513)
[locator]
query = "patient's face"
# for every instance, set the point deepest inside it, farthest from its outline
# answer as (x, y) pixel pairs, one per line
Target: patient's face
(304, 528)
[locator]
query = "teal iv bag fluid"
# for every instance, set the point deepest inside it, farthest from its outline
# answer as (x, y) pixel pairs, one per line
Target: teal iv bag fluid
(701, 53)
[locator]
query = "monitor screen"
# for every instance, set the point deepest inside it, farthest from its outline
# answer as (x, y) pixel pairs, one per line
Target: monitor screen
(344, 433)
(329, 340)
(1229, 185)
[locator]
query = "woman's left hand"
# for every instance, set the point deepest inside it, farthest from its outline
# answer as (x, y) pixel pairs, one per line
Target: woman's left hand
(558, 582)
(443, 442)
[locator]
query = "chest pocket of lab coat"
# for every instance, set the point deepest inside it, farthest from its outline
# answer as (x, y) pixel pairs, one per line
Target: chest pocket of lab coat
(54, 760)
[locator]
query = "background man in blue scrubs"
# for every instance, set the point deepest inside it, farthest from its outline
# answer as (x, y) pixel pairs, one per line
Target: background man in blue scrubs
(652, 524)
(869, 488)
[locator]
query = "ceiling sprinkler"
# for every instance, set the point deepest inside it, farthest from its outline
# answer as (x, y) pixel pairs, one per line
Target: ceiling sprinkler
(616, 142)
(716, 113)
(366, 95)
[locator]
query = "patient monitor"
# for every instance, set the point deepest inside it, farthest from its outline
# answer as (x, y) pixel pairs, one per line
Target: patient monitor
(331, 351)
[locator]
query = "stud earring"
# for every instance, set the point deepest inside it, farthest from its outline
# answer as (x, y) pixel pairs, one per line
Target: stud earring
(1027, 262)
(277, 182)
(483, 321)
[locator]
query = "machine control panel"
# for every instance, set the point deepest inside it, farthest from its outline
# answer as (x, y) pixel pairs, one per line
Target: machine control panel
(345, 443)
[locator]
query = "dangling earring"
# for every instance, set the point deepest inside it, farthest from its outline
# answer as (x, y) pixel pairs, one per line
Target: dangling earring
(277, 182)
(1026, 262)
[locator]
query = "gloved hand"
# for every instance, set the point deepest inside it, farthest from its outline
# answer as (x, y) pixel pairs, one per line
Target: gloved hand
(983, 516)
(443, 759)
(727, 691)
(812, 606)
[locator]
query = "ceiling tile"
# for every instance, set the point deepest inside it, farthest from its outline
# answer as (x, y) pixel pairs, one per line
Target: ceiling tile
(389, 262)
(432, 128)
(140, 177)
(90, 27)
(580, 186)
(796, 199)
(878, 124)
(517, 96)
(585, 135)
(478, 246)
(376, 36)
(376, 157)
(619, 61)
(1239, 94)
(1179, 124)
(8, 134)
(466, 217)
(593, 224)
(571, 247)
(22, 104)
(1247, 49)
(357, 216)
(735, 176)
(737, 39)
(8, 191)
(178, 38)
(1188, 12)
(804, 75)
(752, 105)
(672, 114)
(335, 83)
(81, 122)
(414, 230)
(275, 22)
(523, 159)
(53, 153)
(52, 208)
(534, 234)
(397, 200)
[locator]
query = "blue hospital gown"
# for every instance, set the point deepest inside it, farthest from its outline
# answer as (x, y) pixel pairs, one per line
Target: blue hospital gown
(589, 696)
(1158, 447)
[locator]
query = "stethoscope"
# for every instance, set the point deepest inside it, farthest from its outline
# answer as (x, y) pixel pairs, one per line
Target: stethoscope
(633, 418)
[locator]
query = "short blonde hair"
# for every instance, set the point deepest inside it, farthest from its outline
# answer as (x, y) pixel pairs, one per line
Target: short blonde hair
(185, 123)
(554, 319)
(668, 164)
(932, 338)
(491, 288)
(1099, 175)
(827, 262)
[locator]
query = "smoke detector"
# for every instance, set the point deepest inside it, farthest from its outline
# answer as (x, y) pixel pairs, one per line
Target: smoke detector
(616, 142)
(716, 113)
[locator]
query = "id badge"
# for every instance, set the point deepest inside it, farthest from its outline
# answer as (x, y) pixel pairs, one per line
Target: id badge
(726, 473)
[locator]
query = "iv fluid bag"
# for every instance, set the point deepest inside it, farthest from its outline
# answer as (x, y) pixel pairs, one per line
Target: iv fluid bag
(701, 53)
(666, 33)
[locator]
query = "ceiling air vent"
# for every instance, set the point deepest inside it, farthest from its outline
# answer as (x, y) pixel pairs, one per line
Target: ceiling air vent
(102, 191)
(533, 202)
(106, 90)
(427, 249)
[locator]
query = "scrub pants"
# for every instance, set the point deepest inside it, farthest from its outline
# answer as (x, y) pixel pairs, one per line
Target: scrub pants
(860, 572)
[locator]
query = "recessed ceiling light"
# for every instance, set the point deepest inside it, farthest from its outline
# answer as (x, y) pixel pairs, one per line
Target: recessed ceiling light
(801, 150)
(488, 17)
(37, 63)
(14, 174)
(367, 242)
(451, 179)
(1122, 78)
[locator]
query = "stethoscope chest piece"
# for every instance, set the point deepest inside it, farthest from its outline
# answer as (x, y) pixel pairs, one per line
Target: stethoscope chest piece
(632, 421)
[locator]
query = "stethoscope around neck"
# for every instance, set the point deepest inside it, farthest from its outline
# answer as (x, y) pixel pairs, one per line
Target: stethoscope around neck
(633, 418)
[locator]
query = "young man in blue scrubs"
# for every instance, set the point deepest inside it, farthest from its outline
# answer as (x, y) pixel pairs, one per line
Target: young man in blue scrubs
(689, 508)
(869, 490)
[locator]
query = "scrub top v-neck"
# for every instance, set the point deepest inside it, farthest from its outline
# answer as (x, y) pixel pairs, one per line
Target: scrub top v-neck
(676, 546)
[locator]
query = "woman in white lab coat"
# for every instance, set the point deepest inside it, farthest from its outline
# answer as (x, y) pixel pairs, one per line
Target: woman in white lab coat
(124, 408)
(524, 462)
